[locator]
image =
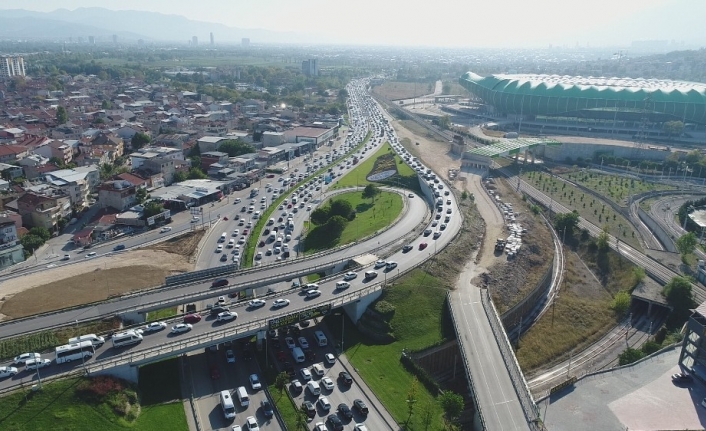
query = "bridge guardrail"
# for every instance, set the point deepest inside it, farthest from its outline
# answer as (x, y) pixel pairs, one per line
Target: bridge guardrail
(529, 407)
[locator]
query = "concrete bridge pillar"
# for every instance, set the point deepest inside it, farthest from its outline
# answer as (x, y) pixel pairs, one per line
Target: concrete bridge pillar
(355, 310)
(126, 372)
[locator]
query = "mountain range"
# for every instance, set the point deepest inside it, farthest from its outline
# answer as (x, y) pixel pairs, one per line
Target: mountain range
(129, 26)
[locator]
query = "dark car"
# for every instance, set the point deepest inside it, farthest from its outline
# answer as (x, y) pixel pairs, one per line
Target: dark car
(360, 406)
(220, 282)
(192, 318)
(215, 310)
(119, 247)
(308, 409)
(267, 409)
(345, 378)
(406, 248)
(345, 411)
(289, 368)
(335, 422)
(682, 378)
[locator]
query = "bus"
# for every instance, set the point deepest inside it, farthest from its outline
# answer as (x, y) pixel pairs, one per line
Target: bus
(74, 352)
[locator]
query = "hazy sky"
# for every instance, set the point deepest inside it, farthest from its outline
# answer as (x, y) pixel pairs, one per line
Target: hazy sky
(437, 22)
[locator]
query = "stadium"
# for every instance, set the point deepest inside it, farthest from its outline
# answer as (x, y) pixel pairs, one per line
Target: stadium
(622, 106)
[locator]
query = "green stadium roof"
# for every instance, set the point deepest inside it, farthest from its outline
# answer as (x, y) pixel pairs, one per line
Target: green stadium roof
(555, 95)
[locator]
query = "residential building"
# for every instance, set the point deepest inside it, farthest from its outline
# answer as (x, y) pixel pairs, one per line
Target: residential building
(109, 142)
(310, 67)
(12, 153)
(162, 165)
(118, 194)
(272, 139)
(56, 149)
(11, 251)
(76, 183)
(44, 210)
(209, 143)
(12, 66)
(144, 154)
(175, 140)
(210, 157)
(10, 172)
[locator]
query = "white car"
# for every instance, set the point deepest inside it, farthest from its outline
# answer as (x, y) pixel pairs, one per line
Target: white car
(34, 364)
(154, 326)
(306, 374)
(303, 342)
(23, 358)
(324, 404)
(256, 303)
(255, 382)
(165, 229)
(327, 383)
(330, 358)
(313, 293)
(181, 327)
(251, 424)
(349, 276)
(320, 426)
(91, 254)
(225, 316)
(195, 219)
(236, 232)
(360, 427)
(380, 263)
(7, 371)
(278, 303)
(219, 248)
(289, 341)
(237, 200)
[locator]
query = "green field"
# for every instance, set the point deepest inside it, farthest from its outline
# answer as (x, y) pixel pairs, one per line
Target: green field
(358, 176)
(57, 407)
(419, 301)
(162, 314)
(613, 187)
(370, 217)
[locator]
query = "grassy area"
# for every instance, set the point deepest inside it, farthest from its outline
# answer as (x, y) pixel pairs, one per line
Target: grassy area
(395, 90)
(591, 208)
(614, 187)
(454, 88)
(47, 340)
(582, 313)
(58, 406)
(419, 301)
(163, 314)
(406, 177)
(251, 244)
(370, 217)
(284, 406)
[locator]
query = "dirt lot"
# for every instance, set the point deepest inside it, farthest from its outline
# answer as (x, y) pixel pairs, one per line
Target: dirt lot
(510, 280)
(394, 90)
(96, 279)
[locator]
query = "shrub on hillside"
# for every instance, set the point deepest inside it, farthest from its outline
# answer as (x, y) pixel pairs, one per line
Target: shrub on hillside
(385, 308)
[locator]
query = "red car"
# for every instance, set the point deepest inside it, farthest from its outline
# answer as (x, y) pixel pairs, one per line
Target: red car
(423, 245)
(192, 318)
(271, 176)
(245, 232)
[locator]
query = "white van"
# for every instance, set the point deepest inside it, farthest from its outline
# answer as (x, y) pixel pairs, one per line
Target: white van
(126, 338)
(231, 243)
(321, 339)
(93, 338)
(243, 396)
(227, 405)
(223, 237)
(370, 275)
(314, 388)
(256, 215)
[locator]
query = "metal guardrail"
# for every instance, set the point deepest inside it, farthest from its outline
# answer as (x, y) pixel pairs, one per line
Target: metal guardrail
(529, 407)
(200, 275)
(466, 364)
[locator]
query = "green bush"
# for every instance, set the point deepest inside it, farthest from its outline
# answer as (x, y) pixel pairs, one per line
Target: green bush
(385, 308)
(630, 355)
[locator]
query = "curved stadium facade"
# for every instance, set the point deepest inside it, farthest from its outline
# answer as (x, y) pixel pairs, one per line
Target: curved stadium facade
(608, 99)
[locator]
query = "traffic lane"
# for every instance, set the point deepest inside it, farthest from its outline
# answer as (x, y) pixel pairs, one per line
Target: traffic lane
(411, 218)
(341, 393)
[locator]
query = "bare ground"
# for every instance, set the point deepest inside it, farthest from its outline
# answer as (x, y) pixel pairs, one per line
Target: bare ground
(97, 279)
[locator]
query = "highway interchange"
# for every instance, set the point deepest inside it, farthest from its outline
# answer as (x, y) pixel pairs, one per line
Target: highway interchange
(416, 212)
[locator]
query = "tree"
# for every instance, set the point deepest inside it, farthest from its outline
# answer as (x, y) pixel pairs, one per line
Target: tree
(412, 397)
(41, 232)
(141, 195)
(152, 209)
(568, 221)
(693, 157)
(180, 176)
(320, 215)
(105, 104)
(673, 127)
(370, 191)
(427, 414)
(31, 242)
(61, 115)
(139, 140)
(281, 381)
(196, 173)
(680, 296)
(334, 226)
(686, 244)
(446, 88)
(629, 356)
(235, 147)
(452, 403)
(342, 208)
(444, 122)
(603, 240)
(621, 302)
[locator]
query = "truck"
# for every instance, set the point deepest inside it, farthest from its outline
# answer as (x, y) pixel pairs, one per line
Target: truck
(500, 245)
